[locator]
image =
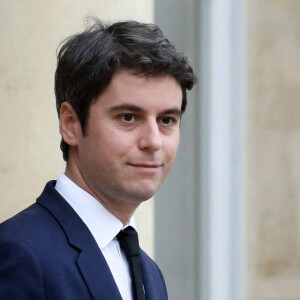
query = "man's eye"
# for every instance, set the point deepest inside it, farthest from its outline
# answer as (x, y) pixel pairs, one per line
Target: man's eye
(167, 120)
(127, 117)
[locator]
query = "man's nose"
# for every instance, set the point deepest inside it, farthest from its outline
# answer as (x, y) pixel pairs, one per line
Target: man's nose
(150, 137)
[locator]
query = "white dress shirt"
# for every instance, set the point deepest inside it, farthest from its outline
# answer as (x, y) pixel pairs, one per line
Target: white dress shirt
(104, 227)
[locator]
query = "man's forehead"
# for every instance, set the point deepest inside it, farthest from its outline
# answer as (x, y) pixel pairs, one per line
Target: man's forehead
(136, 74)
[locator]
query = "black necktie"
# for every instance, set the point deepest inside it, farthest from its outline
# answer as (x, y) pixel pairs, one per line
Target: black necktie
(129, 242)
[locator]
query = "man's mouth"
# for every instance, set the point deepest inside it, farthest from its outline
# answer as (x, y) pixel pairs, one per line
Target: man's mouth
(146, 165)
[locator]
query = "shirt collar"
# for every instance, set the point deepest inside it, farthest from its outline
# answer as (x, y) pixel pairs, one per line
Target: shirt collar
(103, 225)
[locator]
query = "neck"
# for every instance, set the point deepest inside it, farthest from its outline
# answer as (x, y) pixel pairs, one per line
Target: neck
(120, 209)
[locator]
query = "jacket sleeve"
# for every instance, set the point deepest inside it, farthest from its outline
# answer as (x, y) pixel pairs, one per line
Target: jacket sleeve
(20, 273)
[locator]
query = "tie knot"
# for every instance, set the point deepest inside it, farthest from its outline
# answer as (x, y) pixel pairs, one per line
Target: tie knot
(129, 242)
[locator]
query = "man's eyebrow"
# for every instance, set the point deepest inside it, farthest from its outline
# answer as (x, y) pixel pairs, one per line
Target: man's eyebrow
(135, 108)
(129, 107)
(172, 111)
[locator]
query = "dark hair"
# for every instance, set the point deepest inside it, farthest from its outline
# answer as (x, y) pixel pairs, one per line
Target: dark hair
(86, 63)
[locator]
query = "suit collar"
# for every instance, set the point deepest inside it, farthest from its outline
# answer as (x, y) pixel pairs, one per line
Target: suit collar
(91, 211)
(153, 280)
(76, 231)
(91, 261)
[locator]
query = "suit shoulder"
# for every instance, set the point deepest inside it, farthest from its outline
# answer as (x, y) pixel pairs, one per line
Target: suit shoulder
(27, 219)
(34, 225)
(147, 259)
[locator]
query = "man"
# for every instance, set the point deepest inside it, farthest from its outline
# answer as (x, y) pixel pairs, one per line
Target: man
(120, 94)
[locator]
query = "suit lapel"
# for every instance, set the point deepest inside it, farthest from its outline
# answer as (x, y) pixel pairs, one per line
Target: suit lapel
(91, 262)
(96, 272)
(154, 284)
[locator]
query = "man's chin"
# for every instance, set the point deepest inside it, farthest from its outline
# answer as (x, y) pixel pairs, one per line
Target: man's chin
(142, 196)
(142, 193)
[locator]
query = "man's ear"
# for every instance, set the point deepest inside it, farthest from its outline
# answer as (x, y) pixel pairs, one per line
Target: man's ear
(69, 124)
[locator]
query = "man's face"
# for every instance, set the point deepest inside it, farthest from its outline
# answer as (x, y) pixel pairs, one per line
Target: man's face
(132, 137)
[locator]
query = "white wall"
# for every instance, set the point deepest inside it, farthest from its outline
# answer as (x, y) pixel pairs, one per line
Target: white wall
(29, 154)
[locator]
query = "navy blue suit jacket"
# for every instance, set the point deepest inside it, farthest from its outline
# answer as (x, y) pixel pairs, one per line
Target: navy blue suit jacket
(47, 252)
